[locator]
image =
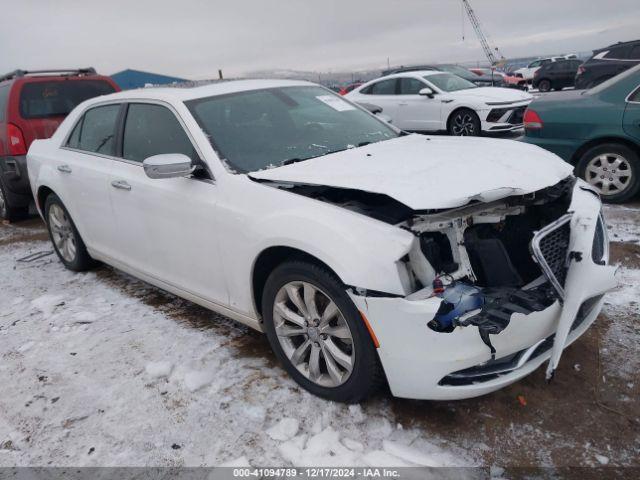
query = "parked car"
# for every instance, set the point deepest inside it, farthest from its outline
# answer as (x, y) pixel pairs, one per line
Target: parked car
(348, 88)
(431, 100)
(364, 254)
(608, 62)
(528, 71)
(596, 130)
(556, 75)
(32, 105)
(484, 80)
(510, 81)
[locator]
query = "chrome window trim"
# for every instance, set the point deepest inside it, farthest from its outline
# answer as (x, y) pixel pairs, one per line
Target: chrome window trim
(632, 93)
(129, 101)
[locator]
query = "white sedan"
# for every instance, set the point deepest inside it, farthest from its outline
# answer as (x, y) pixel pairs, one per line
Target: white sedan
(430, 101)
(445, 267)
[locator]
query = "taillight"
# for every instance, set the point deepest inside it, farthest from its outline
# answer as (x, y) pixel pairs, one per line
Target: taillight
(15, 140)
(581, 70)
(532, 120)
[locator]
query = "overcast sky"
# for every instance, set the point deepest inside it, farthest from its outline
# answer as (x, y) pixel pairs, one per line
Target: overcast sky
(194, 38)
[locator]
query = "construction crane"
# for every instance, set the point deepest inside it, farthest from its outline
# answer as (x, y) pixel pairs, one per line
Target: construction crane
(488, 51)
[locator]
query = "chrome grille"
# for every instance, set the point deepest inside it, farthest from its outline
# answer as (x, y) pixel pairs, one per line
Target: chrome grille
(550, 249)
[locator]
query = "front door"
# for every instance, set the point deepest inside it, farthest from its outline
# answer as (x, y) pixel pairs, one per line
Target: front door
(631, 119)
(167, 228)
(417, 112)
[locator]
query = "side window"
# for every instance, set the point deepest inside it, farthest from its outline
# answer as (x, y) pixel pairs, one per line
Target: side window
(410, 86)
(545, 61)
(151, 130)
(617, 53)
(4, 95)
(635, 96)
(96, 131)
(385, 87)
(634, 54)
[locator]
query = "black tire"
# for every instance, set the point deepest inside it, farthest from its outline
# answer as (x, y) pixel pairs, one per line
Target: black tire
(608, 150)
(464, 122)
(81, 260)
(7, 211)
(544, 85)
(366, 374)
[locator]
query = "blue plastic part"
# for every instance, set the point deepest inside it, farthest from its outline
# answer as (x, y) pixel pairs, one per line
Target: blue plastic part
(464, 298)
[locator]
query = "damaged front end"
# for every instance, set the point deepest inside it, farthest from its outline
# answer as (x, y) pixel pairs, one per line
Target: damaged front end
(525, 273)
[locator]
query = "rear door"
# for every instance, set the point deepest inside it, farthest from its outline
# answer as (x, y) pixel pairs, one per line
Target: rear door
(631, 119)
(166, 228)
(383, 94)
(84, 165)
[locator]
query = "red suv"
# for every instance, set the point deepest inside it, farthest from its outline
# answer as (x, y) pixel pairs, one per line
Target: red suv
(32, 105)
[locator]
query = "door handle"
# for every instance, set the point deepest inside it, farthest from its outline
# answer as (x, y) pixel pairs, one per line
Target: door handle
(121, 184)
(64, 168)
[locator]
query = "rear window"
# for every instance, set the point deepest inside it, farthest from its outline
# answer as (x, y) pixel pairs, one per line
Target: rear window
(54, 99)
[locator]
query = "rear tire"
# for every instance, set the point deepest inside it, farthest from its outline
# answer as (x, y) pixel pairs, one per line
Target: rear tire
(7, 211)
(614, 169)
(464, 122)
(329, 355)
(544, 85)
(64, 235)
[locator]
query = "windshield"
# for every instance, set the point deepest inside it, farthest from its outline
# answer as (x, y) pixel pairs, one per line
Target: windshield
(447, 82)
(463, 72)
(612, 81)
(260, 129)
(58, 98)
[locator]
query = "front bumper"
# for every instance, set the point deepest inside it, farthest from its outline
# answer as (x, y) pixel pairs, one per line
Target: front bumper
(419, 362)
(504, 118)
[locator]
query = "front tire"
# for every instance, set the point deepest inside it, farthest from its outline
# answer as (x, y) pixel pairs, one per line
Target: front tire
(464, 122)
(614, 169)
(64, 235)
(317, 333)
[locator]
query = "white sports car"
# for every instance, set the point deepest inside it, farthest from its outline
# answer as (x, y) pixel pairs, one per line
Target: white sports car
(445, 267)
(431, 100)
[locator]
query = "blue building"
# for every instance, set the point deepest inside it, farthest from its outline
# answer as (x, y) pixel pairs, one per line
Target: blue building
(129, 79)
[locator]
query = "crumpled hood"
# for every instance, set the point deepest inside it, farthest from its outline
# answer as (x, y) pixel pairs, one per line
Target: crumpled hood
(431, 172)
(494, 94)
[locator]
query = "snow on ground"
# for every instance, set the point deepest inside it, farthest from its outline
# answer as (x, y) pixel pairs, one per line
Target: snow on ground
(92, 375)
(622, 221)
(99, 369)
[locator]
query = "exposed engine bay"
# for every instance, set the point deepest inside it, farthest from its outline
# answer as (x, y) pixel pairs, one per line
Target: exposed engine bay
(477, 258)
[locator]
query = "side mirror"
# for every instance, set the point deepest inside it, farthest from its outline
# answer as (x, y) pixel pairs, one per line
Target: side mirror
(427, 92)
(168, 165)
(375, 109)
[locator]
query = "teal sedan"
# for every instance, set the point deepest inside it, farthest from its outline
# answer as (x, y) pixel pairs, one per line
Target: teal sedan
(596, 130)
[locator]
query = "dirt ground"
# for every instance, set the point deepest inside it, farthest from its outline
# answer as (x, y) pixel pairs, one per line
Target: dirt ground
(591, 406)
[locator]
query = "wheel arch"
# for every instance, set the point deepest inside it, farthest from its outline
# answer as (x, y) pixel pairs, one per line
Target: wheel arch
(268, 260)
(600, 141)
(457, 109)
(41, 197)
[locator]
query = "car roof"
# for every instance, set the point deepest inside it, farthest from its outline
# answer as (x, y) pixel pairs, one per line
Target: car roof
(186, 93)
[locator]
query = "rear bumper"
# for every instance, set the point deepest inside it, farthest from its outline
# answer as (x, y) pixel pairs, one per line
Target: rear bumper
(15, 178)
(420, 363)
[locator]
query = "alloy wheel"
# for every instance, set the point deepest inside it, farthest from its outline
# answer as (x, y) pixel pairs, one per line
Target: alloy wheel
(610, 173)
(62, 233)
(313, 334)
(463, 125)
